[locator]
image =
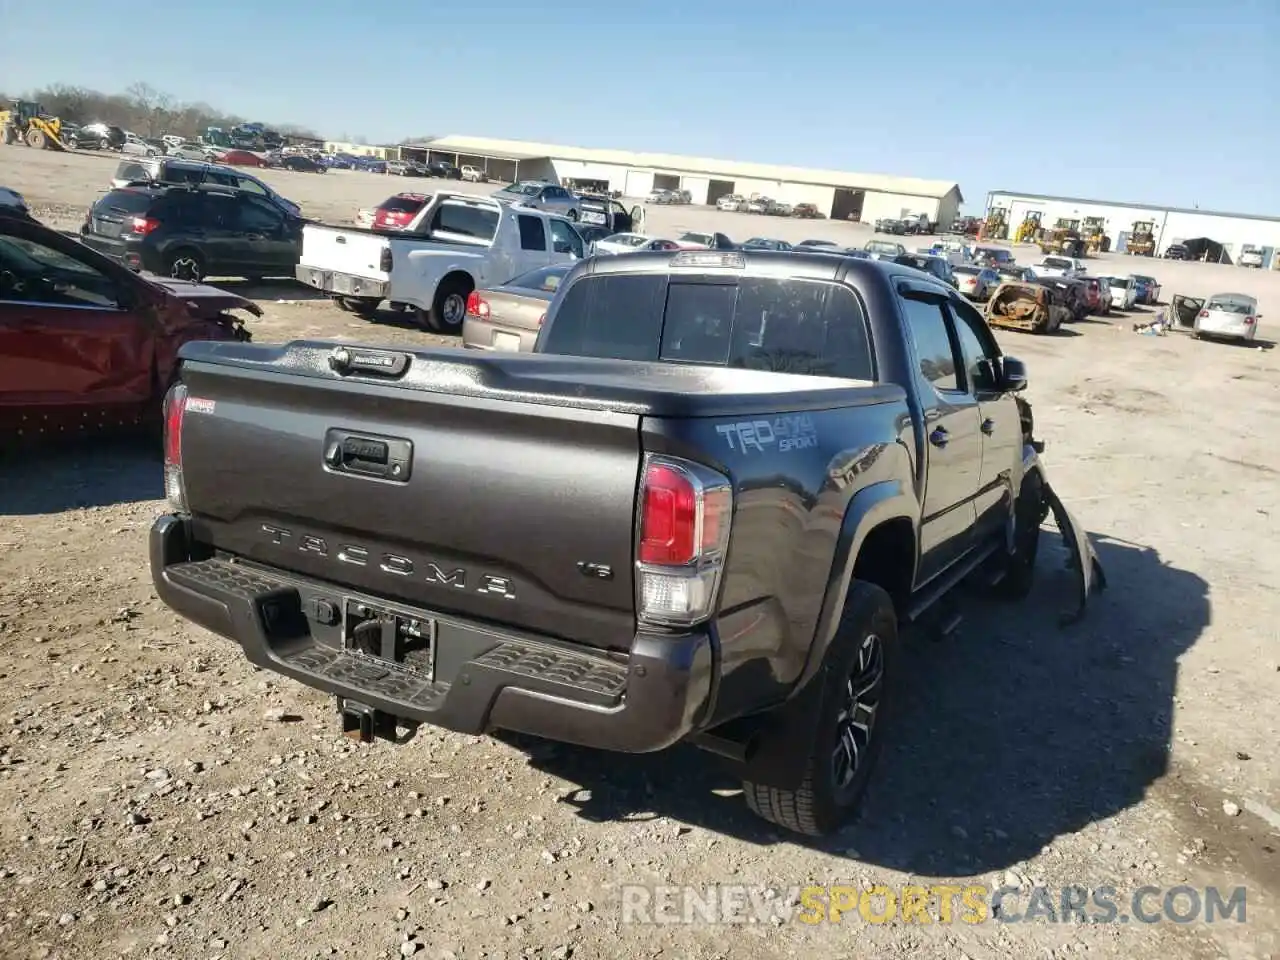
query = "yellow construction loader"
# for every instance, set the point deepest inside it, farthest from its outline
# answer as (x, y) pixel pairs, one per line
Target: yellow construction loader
(1095, 235)
(995, 226)
(1142, 241)
(1027, 229)
(1063, 239)
(26, 121)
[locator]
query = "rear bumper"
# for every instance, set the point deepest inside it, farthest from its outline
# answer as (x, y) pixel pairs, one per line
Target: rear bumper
(341, 284)
(121, 251)
(1228, 331)
(485, 678)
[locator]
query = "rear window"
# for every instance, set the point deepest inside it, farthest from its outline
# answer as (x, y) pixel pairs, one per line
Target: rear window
(1057, 263)
(135, 203)
(545, 279)
(1229, 306)
(129, 170)
(466, 221)
(403, 204)
(788, 326)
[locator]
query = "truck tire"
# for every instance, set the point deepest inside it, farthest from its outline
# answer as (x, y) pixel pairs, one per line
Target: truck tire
(449, 308)
(1028, 514)
(854, 681)
(36, 139)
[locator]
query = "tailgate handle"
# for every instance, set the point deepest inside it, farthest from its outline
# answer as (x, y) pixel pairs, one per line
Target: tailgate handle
(340, 239)
(384, 363)
(381, 458)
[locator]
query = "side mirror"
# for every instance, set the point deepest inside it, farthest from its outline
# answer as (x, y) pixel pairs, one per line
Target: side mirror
(1013, 375)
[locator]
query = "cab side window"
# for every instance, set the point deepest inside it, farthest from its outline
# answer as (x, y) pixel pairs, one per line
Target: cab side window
(935, 353)
(976, 345)
(564, 238)
(532, 234)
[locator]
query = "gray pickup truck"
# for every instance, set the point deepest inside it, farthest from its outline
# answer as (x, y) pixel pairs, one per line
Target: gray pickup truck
(698, 512)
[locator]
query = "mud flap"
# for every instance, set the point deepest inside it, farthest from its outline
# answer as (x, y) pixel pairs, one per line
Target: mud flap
(1081, 558)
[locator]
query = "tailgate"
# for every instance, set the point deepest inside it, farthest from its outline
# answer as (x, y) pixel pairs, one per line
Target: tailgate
(345, 251)
(501, 504)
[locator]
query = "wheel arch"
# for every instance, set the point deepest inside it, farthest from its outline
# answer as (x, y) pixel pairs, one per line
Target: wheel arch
(877, 543)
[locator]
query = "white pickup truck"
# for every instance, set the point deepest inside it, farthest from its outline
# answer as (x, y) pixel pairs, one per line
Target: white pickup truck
(1067, 267)
(457, 243)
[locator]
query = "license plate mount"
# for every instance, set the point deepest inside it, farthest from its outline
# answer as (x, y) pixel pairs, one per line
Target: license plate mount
(390, 636)
(506, 341)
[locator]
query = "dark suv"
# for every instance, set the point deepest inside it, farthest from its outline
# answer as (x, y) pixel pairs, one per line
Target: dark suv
(163, 171)
(194, 231)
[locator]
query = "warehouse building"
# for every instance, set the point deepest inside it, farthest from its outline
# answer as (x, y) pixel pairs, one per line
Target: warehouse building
(841, 196)
(1211, 235)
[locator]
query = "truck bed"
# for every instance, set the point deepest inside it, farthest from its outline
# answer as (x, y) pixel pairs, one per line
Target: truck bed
(619, 386)
(518, 469)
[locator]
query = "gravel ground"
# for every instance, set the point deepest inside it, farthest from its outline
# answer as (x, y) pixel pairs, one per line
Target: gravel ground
(158, 796)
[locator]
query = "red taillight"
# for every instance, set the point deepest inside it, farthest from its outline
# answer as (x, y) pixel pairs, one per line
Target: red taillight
(542, 319)
(477, 306)
(1250, 321)
(175, 408)
(144, 225)
(1204, 313)
(685, 515)
(669, 517)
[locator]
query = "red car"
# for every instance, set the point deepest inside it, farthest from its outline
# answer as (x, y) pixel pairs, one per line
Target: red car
(397, 212)
(242, 158)
(86, 343)
(1093, 297)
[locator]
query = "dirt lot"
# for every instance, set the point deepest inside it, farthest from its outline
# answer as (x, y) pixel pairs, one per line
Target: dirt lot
(160, 797)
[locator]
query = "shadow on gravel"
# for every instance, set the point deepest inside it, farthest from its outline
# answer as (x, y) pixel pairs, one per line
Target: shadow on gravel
(1012, 733)
(271, 289)
(81, 473)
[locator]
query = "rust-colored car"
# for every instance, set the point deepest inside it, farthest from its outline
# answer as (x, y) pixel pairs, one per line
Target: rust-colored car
(87, 344)
(1030, 307)
(509, 317)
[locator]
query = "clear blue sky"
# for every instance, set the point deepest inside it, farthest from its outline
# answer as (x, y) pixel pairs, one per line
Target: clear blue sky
(1173, 102)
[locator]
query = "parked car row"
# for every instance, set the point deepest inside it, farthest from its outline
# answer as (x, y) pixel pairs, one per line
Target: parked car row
(670, 196)
(766, 206)
(918, 225)
(444, 171)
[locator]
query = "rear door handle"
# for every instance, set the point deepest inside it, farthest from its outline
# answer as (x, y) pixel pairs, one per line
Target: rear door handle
(939, 437)
(988, 427)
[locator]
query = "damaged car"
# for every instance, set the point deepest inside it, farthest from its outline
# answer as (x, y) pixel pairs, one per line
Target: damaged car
(1222, 316)
(1032, 307)
(87, 344)
(731, 494)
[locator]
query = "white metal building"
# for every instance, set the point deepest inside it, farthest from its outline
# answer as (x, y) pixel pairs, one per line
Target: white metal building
(1222, 235)
(837, 194)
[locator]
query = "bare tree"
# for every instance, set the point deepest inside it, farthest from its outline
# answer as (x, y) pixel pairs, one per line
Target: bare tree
(141, 108)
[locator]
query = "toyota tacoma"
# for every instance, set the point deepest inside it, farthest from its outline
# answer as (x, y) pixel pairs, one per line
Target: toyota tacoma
(698, 512)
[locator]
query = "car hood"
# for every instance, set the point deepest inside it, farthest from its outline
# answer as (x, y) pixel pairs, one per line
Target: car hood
(204, 301)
